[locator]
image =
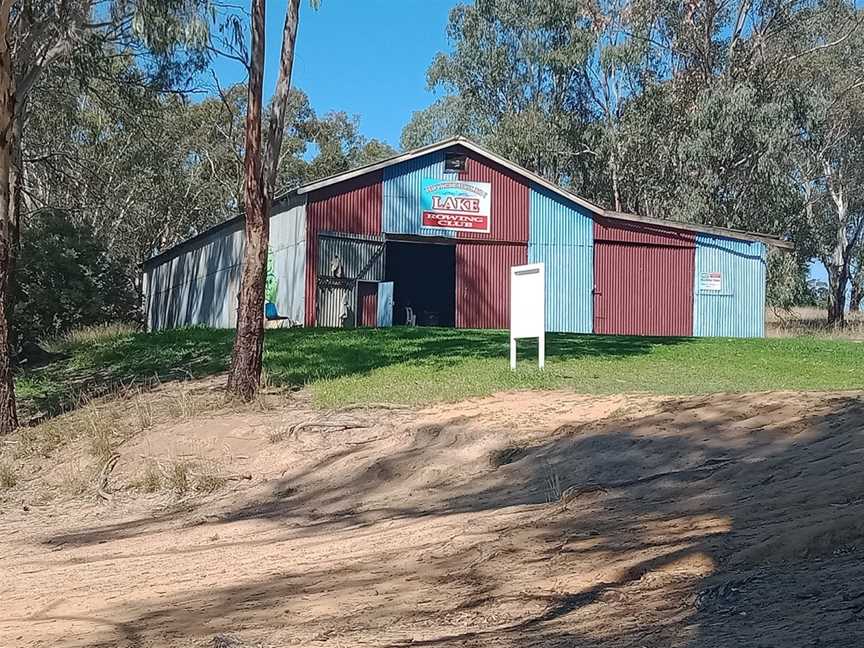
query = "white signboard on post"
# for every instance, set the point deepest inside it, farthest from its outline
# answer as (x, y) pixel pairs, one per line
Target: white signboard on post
(528, 308)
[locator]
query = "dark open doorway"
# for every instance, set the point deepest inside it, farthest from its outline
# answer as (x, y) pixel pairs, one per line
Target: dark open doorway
(424, 280)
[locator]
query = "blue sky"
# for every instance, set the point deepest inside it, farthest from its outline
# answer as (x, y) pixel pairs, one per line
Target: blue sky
(364, 57)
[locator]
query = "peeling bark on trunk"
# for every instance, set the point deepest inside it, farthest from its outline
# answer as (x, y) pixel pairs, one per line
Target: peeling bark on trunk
(8, 412)
(245, 372)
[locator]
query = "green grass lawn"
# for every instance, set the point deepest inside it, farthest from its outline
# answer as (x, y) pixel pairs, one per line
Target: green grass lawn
(418, 365)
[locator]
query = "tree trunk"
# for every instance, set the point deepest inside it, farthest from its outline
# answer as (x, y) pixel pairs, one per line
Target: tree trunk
(245, 373)
(8, 412)
(276, 125)
(857, 294)
(838, 278)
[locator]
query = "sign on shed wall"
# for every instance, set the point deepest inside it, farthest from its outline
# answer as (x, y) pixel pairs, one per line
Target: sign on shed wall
(711, 281)
(456, 205)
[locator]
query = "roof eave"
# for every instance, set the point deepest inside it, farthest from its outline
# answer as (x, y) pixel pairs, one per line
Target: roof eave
(704, 229)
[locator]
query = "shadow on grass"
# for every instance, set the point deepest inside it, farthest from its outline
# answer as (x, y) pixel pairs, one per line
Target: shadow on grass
(292, 357)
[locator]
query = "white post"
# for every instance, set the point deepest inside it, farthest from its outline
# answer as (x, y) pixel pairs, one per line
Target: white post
(528, 309)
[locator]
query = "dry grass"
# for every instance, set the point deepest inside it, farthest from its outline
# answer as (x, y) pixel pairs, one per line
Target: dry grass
(151, 481)
(89, 335)
(181, 477)
(178, 478)
(552, 485)
(8, 476)
(807, 321)
(76, 479)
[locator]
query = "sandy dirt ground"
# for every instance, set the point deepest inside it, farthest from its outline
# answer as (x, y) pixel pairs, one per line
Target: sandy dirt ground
(524, 519)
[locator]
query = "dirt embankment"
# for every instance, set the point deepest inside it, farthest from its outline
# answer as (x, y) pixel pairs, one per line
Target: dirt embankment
(518, 520)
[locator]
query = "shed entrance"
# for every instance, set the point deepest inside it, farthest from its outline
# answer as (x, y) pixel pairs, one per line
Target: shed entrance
(643, 280)
(424, 281)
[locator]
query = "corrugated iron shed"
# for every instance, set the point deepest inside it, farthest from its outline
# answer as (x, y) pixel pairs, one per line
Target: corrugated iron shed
(483, 282)
(510, 202)
(732, 302)
(643, 280)
(351, 206)
(562, 238)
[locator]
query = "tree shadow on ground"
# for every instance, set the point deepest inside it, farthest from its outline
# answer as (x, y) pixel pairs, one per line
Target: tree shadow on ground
(680, 523)
(293, 357)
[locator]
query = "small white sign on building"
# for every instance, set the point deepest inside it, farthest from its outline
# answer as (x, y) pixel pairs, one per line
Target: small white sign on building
(528, 308)
(712, 281)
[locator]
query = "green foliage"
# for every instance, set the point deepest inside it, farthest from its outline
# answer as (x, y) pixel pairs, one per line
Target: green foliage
(418, 365)
(66, 280)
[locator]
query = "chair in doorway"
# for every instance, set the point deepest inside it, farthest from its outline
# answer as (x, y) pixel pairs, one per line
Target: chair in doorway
(410, 317)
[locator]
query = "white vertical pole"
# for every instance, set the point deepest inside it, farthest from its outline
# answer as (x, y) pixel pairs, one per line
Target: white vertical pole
(512, 352)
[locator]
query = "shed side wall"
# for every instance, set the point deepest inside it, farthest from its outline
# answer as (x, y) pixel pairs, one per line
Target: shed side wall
(738, 308)
(199, 286)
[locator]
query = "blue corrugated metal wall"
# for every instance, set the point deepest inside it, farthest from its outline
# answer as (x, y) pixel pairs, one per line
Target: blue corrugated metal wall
(401, 194)
(562, 238)
(737, 309)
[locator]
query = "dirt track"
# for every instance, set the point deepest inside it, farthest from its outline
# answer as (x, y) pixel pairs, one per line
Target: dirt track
(519, 520)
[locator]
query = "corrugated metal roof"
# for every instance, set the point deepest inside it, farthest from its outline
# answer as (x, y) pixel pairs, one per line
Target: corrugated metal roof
(539, 180)
(483, 283)
(374, 170)
(737, 309)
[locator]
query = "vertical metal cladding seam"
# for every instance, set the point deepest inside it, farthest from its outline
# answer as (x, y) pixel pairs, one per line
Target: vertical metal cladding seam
(351, 206)
(738, 308)
(483, 282)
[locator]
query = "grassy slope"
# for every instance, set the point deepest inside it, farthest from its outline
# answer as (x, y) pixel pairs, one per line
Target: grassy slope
(416, 365)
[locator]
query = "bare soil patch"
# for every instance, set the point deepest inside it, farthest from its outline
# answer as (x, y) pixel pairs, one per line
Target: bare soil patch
(522, 519)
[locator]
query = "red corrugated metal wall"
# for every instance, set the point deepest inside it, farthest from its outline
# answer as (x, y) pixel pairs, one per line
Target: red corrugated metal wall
(351, 206)
(510, 199)
(483, 283)
(643, 279)
(367, 303)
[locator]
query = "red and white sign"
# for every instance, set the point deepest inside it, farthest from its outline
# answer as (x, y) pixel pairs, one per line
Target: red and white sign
(456, 205)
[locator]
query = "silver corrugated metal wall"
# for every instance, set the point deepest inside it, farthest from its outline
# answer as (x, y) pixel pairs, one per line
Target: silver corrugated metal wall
(198, 282)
